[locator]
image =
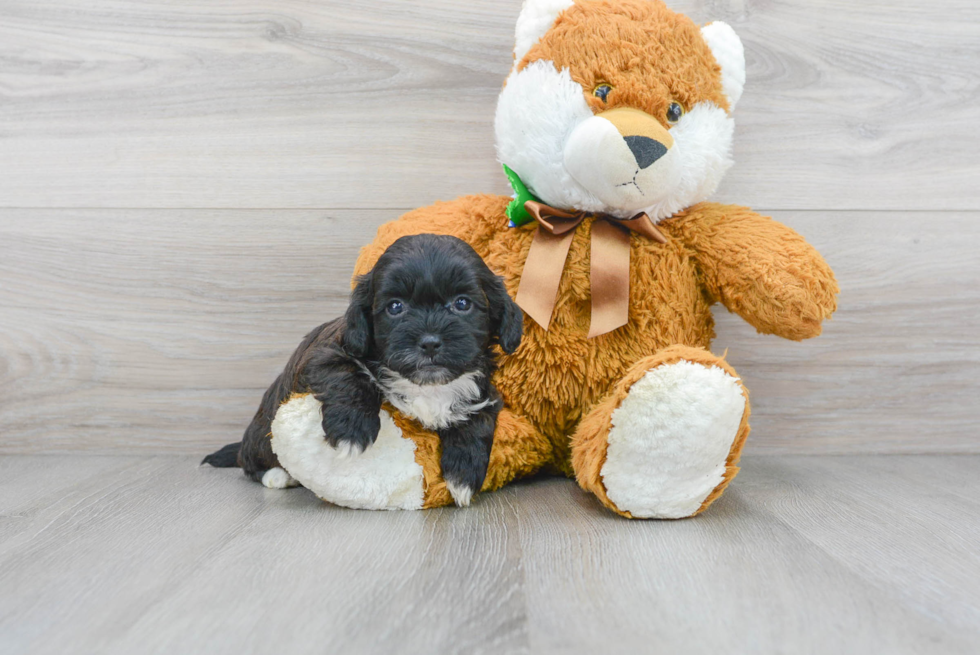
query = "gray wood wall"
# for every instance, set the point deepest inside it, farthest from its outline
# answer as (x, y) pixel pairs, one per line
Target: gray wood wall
(184, 186)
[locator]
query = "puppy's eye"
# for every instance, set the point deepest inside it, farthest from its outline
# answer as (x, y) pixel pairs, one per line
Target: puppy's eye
(395, 307)
(674, 113)
(462, 304)
(602, 91)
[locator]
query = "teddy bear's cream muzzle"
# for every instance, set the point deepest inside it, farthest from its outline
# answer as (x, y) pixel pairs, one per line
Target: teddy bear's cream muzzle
(624, 156)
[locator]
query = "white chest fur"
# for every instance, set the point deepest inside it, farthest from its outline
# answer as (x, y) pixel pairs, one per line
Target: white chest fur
(436, 406)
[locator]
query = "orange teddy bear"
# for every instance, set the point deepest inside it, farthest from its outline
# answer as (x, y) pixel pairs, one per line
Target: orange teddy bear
(614, 127)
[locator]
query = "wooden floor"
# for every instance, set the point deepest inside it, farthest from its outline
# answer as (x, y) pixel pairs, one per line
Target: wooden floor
(805, 554)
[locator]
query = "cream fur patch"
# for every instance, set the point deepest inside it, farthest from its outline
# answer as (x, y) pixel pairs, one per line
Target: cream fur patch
(436, 406)
(670, 438)
(703, 141)
(730, 55)
(461, 494)
(385, 476)
(277, 478)
(597, 156)
(534, 21)
(536, 113)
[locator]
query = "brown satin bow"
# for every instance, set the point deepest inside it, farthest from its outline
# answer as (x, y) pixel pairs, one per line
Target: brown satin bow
(610, 274)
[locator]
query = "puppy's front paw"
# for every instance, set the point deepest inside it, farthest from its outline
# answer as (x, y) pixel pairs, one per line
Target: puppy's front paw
(462, 492)
(466, 455)
(349, 429)
(464, 469)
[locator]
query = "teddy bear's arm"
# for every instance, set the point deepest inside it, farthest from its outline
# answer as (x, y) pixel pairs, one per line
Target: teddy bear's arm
(474, 219)
(761, 270)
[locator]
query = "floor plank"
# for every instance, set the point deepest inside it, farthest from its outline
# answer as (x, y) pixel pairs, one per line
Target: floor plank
(738, 576)
(383, 103)
(122, 539)
(157, 330)
(348, 581)
(896, 527)
(803, 555)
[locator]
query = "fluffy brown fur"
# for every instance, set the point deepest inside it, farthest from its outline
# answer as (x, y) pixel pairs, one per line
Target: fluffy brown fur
(559, 386)
(650, 55)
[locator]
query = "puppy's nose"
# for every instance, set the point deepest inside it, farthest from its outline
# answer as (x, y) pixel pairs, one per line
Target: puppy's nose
(645, 150)
(430, 344)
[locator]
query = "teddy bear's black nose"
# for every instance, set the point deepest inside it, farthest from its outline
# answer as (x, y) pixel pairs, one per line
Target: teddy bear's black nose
(645, 150)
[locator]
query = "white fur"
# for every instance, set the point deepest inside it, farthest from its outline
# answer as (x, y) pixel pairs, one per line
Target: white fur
(436, 406)
(385, 476)
(670, 438)
(536, 113)
(596, 145)
(347, 449)
(703, 141)
(461, 494)
(277, 478)
(539, 110)
(536, 18)
(730, 55)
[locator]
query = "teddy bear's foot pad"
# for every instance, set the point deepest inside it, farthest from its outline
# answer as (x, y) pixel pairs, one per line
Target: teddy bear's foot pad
(670, 439)
(385, 476)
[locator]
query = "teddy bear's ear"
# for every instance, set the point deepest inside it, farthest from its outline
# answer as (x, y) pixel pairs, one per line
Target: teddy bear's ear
(730, 55)
(537, 17)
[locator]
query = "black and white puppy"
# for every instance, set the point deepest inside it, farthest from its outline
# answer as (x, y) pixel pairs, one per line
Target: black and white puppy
(420, 333)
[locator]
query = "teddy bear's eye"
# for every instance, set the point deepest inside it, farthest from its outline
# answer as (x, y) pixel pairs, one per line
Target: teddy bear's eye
(674, 113)
(602, 91)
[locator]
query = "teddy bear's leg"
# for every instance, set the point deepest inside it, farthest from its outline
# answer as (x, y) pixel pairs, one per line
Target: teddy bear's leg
(401, 469)
(665, 441)
(385, 476)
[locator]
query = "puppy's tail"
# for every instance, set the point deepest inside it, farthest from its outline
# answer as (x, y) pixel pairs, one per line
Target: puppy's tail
(225, 458)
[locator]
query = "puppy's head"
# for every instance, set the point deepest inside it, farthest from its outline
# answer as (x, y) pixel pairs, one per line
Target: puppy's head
(430, 310)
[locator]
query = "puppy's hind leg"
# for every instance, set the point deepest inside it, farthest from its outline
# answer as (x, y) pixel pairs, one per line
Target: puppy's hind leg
(257, 459)
(255, 456)
(273, 478)
(277, 478)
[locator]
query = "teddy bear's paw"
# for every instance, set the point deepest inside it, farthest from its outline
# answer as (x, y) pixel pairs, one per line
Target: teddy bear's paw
(277, 478)
(385, 476)
(670, 440)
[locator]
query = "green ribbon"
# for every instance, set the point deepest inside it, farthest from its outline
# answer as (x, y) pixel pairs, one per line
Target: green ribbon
(516, 212)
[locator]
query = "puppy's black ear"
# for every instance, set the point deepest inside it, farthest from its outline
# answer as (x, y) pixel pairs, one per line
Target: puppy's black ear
(356, 339)
(506, 318)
